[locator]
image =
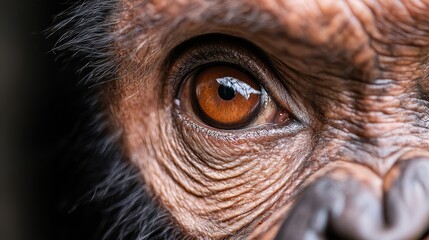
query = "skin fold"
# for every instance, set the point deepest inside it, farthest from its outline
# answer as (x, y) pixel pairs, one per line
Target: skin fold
(354, 77)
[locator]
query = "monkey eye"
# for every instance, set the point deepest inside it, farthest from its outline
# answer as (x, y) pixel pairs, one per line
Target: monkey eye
(225, 96)
(221, 83)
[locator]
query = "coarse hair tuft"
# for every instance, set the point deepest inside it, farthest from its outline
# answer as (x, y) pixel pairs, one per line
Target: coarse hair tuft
(85, 40)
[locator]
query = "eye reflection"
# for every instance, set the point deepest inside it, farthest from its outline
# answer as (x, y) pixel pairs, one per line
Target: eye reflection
(225, 96)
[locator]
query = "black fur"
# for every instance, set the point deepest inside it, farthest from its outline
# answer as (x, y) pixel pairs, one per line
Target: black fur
(99, 194)
(85, 37)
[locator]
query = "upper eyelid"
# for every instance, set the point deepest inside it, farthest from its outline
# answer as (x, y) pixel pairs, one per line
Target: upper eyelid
(192, 57)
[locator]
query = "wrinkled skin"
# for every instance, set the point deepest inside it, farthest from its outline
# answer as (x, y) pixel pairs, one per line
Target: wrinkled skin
(353, 73)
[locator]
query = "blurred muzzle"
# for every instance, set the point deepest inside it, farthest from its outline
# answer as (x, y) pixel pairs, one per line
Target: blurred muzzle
(343, 205)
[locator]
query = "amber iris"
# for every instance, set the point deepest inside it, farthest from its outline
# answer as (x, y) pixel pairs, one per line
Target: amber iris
(226, 96)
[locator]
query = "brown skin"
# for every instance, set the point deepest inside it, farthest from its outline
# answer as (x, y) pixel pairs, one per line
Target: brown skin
(353, 73)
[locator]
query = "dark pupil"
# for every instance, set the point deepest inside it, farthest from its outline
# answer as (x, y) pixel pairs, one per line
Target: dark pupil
(226, 93)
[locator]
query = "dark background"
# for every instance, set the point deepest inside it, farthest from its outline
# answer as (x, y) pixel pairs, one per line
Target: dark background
(36, 109)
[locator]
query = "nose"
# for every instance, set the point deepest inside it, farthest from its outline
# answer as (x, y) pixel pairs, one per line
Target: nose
(348, 208)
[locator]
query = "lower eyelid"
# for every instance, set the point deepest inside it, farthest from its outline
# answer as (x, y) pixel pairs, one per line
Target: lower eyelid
(186, 124)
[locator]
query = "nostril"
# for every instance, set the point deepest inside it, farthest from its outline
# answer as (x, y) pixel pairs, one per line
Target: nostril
(425, 236)
(332, 234)
(322, 211)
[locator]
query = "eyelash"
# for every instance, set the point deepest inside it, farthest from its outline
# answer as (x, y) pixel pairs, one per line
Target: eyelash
(196, 58)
